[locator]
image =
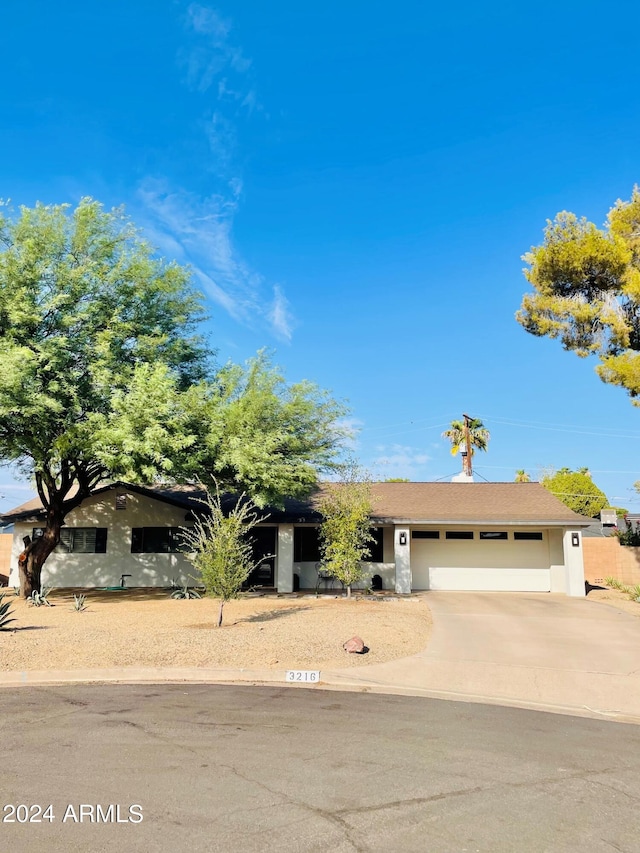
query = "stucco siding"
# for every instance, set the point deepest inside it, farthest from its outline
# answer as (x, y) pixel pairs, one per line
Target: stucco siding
(308, 575)
(91, 570)
(308, 571)
(6, 547)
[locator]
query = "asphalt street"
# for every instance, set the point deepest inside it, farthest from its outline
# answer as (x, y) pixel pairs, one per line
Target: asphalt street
(226, 768)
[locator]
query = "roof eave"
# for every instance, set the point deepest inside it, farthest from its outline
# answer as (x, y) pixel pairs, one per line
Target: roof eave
(39, 514)
(511, 522)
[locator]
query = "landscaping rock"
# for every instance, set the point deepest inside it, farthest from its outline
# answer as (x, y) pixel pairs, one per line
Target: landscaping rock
(354, 646)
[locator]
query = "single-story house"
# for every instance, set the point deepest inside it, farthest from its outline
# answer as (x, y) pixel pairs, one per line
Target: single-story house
(441, 536)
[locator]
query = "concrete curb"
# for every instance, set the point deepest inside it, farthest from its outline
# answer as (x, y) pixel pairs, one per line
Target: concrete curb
(343, 680)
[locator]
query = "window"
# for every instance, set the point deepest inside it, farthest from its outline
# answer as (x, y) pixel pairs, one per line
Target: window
(157, 540)
(306, 545)
(527, 535)
(459, 534)
(377, 546)
(425, 534)
(494, 534)
(83, 540)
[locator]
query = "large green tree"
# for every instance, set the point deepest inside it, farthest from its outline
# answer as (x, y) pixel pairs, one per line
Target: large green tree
(586, 284)
(103, 375)
(577, 490)
(86, 312)
(264, 436)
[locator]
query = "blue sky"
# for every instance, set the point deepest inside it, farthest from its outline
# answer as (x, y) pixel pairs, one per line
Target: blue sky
(353, 185)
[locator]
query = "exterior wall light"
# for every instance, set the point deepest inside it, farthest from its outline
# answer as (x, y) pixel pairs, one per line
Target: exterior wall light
(402, 539)
(575, 540)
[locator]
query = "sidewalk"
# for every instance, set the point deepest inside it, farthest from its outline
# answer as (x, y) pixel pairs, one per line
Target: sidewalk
(552, 653)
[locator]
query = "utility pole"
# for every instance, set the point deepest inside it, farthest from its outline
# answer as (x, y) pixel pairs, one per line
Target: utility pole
(467, 467)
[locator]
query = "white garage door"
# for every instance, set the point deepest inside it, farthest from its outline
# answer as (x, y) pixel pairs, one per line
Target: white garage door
(479, 564)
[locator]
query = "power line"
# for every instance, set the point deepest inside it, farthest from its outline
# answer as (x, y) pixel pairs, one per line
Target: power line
(537, 465)
(602, 432)
(547, 426)
(404, 423)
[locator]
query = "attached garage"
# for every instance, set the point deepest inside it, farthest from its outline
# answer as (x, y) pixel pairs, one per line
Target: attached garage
(476, 560)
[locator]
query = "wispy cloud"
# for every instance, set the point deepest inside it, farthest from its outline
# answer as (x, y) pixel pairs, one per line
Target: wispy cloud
(197, 231)
(213, 52)
(280, 315)
(197, 227)
(399, 460)
(352, 427)
(222, 138)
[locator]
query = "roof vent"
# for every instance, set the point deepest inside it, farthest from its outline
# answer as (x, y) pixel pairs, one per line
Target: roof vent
(608, 518)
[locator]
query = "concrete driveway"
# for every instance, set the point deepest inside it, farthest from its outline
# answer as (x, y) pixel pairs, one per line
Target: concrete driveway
(533, 650)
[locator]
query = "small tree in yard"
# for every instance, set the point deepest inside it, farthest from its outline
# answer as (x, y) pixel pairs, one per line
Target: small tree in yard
(220, 546)
(345, 533)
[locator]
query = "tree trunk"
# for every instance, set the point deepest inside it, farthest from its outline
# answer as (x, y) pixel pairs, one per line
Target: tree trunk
(73, 477)
(220, 613)
(38, 551)
(348, 590)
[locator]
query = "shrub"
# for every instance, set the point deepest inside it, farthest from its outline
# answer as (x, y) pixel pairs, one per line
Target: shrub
(221, 546)
(185, 592)
(5, 614)
(630, 535)
(632, 592)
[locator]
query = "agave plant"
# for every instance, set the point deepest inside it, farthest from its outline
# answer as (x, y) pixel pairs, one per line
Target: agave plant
(38, 599)
(79, 603)
(5, 614)
(185, 592)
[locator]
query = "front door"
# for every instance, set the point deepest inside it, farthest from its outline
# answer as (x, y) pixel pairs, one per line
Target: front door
(264, 556)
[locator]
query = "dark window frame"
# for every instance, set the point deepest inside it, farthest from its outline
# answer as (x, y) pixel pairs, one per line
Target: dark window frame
(157, 540)
(306, 550)
(67, 544)
(528, 535)
(377, 546)
(306, 545)
(494, 535)
(425, 534)
(459, 534)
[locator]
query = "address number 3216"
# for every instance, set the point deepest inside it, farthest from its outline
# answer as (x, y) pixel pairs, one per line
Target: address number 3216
(303, 675)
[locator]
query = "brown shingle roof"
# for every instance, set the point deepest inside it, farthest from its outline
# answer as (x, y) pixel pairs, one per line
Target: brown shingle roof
(413, 503)
(475, 503)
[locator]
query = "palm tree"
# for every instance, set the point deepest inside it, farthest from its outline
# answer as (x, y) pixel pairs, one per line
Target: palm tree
(478, 438)
(522, 476)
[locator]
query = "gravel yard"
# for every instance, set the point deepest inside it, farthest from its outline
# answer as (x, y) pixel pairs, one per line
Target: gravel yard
(616, 599)
(147, 628)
